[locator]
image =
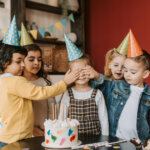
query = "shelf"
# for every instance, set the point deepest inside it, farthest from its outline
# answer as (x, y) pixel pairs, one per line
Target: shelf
(51, 41)
(46, 8)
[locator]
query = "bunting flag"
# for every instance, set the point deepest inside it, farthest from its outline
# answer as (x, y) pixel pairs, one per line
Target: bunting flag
(4, 31)
(42, 32)
(12, 37)
(71, 17)
(64, 22)
(34, 33)
(51, 29)
(58, 25)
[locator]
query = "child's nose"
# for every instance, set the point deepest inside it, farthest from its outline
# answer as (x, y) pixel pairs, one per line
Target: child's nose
(22, 64)
(36, 61)
(119, 68)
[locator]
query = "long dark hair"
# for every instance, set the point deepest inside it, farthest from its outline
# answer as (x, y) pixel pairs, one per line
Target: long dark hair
(41, 73)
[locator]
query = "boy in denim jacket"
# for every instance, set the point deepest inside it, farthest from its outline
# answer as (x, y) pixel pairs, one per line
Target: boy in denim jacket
(128, 102)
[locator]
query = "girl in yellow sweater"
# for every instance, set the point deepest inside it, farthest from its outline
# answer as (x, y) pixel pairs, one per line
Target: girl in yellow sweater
(16, 113)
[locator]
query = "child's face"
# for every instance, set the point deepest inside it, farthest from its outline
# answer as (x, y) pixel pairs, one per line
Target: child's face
(33, 62)
(134, 73)
(116, 67)
(79, 65)
(17, 65)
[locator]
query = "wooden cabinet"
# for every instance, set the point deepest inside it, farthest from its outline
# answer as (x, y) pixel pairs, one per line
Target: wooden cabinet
(18, 7)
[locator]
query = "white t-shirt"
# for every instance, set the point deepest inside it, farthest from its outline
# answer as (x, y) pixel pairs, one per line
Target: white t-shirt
(127, 124)
(100, 102)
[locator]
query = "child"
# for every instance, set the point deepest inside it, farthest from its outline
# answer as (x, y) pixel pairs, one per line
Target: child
(34, 72)
(16, 113)
(114, 63)
(87, 104)
(113, 69)
(128, 102)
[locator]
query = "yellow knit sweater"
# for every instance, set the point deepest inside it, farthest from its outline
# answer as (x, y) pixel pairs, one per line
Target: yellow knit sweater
(16, 111)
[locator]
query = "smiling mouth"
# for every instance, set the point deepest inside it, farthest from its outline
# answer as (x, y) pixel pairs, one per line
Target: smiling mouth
(119, 74)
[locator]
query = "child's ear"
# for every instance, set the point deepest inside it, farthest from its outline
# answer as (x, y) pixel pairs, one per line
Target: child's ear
(146, 74)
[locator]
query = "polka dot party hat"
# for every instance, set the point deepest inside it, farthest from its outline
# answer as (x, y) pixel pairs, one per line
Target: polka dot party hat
(134, 48)
(124, 46)
(73, 52)
(129, 46)
(25, 37)
(12, 37)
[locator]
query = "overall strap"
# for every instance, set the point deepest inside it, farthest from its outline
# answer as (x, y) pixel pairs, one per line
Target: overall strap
(94, 93)
(70, 92)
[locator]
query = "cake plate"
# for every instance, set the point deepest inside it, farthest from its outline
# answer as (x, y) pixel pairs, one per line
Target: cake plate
(44, 145)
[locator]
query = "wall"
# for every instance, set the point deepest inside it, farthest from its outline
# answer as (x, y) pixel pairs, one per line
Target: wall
(4, 16)
(45, 19)
(108, 23)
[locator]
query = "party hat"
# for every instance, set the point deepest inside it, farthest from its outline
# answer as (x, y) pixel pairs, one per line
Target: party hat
(134, 48)
(124, 46)
(25, 37)
(73, 52)
(12, 37)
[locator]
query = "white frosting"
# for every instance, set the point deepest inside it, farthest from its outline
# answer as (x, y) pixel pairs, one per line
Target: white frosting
(60, 133)
(148, 146)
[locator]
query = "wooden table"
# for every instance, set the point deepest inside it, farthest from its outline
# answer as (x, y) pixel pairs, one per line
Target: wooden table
(35, 143)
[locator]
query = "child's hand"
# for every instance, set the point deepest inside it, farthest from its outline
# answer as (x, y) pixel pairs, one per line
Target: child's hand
(90, 72)
(71, 76)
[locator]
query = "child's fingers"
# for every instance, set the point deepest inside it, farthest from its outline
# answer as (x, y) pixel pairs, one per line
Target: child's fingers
(68, 71)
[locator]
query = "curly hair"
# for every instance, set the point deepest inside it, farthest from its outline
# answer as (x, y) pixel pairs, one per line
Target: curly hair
(6, 54)
(144, 59)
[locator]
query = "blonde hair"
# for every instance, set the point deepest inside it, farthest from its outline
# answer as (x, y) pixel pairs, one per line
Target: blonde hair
(110, 55)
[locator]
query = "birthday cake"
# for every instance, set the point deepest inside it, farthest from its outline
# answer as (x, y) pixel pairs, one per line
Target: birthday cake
(61, 134)
(146, 145)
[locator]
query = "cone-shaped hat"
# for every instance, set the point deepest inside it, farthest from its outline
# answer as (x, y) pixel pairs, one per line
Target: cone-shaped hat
(124, 46)
(25, 37)
(12, 37)
(73, 52)
(134, 48)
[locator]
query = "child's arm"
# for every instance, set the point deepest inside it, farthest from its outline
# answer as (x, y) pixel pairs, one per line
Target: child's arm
(21, 87)
(102, 113)
(64, 103)
(91, 73)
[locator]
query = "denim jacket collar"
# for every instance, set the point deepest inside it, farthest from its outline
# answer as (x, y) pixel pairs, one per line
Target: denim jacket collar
(146, 88)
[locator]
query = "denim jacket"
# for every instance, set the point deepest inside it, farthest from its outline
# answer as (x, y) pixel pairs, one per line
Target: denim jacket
(116, 94)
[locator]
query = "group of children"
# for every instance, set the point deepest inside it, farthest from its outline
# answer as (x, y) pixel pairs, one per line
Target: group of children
(23, 80)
